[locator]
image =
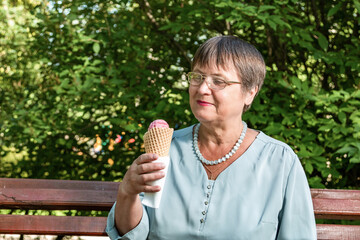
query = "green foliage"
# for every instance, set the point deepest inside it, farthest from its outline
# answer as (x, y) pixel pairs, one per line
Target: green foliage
(75, 70)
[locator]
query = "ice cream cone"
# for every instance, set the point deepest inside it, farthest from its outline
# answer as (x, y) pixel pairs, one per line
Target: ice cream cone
(158, 140)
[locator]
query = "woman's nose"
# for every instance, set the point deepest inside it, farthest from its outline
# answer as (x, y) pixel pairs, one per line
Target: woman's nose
(204, 86)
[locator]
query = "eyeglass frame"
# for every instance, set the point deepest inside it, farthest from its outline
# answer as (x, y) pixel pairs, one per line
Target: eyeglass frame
(203, 78)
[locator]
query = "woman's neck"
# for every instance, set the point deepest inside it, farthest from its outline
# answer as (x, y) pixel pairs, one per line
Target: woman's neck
(217, 134)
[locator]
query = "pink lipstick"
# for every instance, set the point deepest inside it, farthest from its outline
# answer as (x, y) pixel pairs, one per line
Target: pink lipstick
(203, 103)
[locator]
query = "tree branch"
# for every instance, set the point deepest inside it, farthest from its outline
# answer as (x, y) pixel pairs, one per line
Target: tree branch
(147, 9)
(314, 10)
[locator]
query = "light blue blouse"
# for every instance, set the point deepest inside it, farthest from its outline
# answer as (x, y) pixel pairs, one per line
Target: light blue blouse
(264, 194)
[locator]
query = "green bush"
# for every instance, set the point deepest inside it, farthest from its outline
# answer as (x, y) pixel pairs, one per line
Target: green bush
(74, 70)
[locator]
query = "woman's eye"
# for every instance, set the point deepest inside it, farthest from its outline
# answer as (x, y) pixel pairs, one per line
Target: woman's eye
(218, 81)
(197, 78)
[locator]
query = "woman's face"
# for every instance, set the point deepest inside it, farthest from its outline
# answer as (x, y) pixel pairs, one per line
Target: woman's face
(219, 106)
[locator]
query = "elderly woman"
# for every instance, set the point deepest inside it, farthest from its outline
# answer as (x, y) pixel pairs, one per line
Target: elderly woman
(225, 181)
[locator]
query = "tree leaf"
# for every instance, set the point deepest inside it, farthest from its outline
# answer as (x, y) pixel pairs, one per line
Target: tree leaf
(323, 42)
(272, 24)
(308, 167)
(96, 47)
(346, 149)
(357, 5)
(342, 117)
(296, 81)
(263, 8)
(355, 159)
(334, 10)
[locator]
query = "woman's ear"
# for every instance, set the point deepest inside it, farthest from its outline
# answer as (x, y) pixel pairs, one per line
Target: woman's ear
(251, 95)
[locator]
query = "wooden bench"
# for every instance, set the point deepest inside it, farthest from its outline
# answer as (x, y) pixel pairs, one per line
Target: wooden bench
(94, 195)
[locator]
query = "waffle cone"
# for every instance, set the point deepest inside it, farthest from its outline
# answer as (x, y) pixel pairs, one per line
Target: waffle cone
(158, 140)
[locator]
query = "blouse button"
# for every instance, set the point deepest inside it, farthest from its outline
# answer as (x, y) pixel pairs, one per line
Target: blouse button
(203, 212)
(209, 186)
(206, 202)
(202, 220)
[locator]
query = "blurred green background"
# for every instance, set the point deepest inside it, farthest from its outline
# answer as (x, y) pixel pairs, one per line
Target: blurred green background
(80, 81)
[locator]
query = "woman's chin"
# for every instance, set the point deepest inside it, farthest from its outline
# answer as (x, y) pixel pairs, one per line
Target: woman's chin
(203, 114)
(203, 118)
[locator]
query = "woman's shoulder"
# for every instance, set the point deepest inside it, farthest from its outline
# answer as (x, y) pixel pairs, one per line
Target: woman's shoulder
(276, 152)
(265, 141)
(183, 132)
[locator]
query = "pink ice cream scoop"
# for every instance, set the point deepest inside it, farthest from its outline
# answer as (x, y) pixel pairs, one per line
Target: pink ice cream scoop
(159, 123)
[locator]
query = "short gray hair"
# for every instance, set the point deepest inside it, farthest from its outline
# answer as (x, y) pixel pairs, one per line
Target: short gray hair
(224, 50)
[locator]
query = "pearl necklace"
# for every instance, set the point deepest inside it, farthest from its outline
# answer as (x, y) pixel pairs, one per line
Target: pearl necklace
(224, 158)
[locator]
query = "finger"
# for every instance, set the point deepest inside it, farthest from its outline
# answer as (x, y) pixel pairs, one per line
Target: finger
(146, 157)
(145, 179)
(148, 188)
(149, 167)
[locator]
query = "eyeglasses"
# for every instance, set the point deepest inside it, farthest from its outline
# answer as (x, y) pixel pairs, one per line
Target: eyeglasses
(214, 83)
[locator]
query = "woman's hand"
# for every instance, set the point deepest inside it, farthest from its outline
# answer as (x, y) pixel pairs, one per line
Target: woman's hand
(129, 211)
(142, 171)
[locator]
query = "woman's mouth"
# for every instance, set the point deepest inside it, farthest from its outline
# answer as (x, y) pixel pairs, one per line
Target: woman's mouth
(203, 103)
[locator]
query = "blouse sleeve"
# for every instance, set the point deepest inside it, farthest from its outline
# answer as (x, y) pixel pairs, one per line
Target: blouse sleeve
(140, 232)
(297, 220)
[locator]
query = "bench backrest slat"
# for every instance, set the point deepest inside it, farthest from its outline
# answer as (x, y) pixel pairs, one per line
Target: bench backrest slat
(335, 194)
(57, 194)
(337, 209)
(337, 232)
(53, 225)
(336, 204)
